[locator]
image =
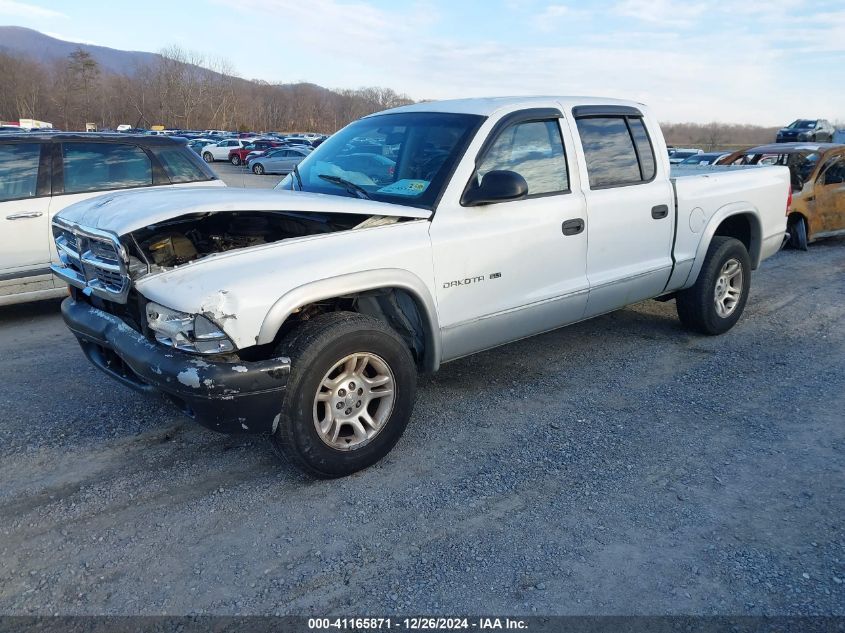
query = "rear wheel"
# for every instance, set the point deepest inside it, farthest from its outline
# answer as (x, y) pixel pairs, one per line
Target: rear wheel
(258, 169)
(797, 229)
(349, 397)
(235, 160)
(208, 157)
(716, 301)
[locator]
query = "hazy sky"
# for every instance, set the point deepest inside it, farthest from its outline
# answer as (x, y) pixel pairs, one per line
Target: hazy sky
(756, 61)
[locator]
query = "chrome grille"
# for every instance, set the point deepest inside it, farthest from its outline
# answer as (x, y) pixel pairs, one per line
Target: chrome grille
(91, 260)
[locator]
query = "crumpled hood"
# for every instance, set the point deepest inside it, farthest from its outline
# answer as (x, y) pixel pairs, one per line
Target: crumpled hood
(123, 212)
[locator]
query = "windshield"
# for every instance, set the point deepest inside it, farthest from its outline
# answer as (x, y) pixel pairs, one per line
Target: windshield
(682, 154)
(404, 158)
(802, 123)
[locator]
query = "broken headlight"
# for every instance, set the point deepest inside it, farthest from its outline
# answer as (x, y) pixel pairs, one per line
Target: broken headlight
(187, 332)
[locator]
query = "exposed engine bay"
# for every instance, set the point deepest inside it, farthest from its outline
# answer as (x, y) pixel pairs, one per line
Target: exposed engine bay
(185, 239)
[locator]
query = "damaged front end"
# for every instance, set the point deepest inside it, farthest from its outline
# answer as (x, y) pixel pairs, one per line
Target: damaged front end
(108, 251)
(225, 394)
(187, 239)
(153, 348)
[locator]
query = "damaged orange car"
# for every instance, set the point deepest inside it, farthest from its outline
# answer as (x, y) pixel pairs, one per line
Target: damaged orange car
(818, 186)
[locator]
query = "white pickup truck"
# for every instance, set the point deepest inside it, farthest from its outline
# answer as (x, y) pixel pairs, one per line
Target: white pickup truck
(410, 238)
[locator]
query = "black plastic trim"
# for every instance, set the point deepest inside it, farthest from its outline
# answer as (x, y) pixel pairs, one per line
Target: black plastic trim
(518, 116)
(226, 395)
(45, 172)
(58, 183)
(581, 112)
(23, 274)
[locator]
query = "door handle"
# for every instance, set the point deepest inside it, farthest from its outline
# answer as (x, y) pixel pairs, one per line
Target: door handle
(572, 227)
(660, 211)
(24, 215)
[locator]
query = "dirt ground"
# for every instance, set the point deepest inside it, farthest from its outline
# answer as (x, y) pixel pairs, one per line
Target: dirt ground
(618, 466)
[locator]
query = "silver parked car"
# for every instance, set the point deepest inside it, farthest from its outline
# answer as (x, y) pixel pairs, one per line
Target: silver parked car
(279, 161)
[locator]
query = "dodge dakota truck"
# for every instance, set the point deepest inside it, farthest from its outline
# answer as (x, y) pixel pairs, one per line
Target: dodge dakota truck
(306, 313)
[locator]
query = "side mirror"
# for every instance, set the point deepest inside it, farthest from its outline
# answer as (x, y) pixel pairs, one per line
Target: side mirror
(496, 186)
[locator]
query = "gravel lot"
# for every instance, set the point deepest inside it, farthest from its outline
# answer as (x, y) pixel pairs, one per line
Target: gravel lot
(618, 466)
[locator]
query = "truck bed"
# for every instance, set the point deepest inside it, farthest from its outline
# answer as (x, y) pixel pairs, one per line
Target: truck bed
(706, 191)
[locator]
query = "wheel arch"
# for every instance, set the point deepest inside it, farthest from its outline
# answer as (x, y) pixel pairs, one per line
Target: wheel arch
(354, 284)
(739, 220)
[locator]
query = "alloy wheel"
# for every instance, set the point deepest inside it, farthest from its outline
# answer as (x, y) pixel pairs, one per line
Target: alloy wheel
(354, 401)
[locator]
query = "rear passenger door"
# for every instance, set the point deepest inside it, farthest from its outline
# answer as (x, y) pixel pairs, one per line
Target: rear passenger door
(24, 207)
(631, 207)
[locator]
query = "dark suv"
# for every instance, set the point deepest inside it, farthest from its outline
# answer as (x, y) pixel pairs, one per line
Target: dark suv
(816, 130)
(42, 173)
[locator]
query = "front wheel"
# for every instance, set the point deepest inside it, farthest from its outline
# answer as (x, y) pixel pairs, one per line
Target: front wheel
(258, 169)
(349, 396)
(207, 157)
(715, 302)
(235, 160)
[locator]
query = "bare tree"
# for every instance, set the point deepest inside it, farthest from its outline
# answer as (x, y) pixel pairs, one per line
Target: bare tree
(84, 71)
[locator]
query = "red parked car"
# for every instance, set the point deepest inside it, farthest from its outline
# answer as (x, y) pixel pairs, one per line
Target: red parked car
(237, 156)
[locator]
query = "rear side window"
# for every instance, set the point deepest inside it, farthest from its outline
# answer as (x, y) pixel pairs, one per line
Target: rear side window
(178, 165)
(104, 166)
(534, 150)
(19, 170)
(643, 145)
(617, 150)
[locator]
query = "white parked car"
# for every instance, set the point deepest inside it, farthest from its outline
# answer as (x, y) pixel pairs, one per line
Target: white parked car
(220, 150)
(306, 313)
(41, 174)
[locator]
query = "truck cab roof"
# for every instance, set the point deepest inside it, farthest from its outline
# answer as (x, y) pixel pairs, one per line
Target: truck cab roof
(487, 106)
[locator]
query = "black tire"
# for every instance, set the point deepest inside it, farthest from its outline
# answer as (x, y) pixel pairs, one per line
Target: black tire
(797, 228)
(235, 160)
(697, 305)
(314, 348)
(208, 157)
(258, 169)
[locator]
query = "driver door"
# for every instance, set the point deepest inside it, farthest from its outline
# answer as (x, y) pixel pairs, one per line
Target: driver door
(507, 270)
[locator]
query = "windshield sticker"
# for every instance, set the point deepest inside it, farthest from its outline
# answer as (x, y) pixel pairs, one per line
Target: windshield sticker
(406, 187)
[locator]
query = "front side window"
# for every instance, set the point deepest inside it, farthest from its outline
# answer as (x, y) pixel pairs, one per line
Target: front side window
(617, 150)
(402, 158)
(534, 150)
(19, 170)
(104, 166)
(835, 174)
